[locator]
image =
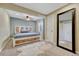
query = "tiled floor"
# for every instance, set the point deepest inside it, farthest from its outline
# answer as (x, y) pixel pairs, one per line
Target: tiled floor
(41, 48)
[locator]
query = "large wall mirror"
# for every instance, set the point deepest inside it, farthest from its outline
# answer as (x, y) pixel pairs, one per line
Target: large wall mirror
(66, 30)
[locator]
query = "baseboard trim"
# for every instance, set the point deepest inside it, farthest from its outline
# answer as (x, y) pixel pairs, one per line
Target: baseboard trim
(77, 52)
(50, 42)
(0, 49)
(4, 44)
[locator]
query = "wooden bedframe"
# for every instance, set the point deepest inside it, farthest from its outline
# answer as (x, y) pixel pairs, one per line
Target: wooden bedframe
(23, 40)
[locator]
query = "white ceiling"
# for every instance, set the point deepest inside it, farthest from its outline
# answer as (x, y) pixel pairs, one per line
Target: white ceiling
(44, 8)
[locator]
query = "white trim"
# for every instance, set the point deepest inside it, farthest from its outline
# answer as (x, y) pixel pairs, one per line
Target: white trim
(0, 49)
(4, 44)
(77, 52)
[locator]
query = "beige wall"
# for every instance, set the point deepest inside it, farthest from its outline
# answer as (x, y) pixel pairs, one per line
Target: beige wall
(52, 18)
(4, 27)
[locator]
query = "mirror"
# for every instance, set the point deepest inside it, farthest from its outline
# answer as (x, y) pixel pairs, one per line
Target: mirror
(66, 30)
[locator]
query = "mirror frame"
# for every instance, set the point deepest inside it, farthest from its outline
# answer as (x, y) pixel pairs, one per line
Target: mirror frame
(73, 30)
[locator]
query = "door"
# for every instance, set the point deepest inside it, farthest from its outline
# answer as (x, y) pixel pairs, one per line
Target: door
(50, 28)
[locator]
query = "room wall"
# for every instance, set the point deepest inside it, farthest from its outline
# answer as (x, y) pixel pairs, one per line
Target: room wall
(52, 20)
(40, 28)
(20, 22)
(4, 27)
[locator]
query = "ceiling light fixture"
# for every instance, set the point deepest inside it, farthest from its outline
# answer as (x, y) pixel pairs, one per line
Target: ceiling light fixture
(27, 18)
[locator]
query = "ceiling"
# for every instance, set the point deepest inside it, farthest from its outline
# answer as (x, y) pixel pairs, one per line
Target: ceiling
(22, 16)
(43, 8)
